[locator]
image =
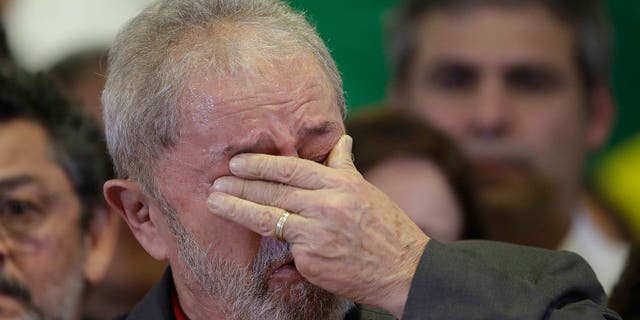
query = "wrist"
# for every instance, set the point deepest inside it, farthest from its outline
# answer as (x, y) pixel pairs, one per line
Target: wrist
(395, 299)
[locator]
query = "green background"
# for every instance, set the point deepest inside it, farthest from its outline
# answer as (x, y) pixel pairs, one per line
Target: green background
(353, 31)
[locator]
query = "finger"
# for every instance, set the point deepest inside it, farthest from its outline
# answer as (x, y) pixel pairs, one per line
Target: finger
(340, 157)
(273, 194)
(291, 171)
(255, 217)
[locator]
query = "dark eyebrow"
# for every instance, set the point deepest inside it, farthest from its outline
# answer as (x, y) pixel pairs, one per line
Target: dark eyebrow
(16, 181)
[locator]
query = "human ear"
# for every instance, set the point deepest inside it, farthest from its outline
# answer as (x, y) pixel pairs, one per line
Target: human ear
(600, 116)
(139, 212)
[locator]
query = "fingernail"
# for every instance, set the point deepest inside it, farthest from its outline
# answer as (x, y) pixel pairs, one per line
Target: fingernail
(237, 163)
(222, 185)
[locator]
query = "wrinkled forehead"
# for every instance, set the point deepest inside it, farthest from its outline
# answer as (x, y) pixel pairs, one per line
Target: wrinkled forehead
(289, 81)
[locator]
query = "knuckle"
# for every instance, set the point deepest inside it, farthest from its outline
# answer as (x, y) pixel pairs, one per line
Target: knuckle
(278, 195)
(350, 184)
(259, 168)
(264, 223)
(312, 270)
(264, 195)
(293, 233)
(243, 189)
(284, 195)
(287, 173)
(336, 205)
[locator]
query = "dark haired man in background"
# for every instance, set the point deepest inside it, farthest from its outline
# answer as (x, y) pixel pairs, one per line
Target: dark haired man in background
(56, 236)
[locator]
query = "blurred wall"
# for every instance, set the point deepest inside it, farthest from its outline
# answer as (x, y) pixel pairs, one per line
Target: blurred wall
(626, 19)
(40, 32)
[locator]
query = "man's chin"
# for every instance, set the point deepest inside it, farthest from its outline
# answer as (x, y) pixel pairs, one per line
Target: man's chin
(291, 286)
(303, 300)
(505, 198)
(287, 283)
(506, 187)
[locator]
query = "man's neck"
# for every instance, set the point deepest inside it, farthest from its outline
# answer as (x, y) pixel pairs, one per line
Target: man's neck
(197, 307)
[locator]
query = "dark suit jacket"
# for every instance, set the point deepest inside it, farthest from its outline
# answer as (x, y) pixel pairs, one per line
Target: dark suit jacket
(472, 280)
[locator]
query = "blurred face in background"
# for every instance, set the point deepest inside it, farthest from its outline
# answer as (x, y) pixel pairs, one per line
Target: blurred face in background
(504, 84)
(43, 249)
(422, 191)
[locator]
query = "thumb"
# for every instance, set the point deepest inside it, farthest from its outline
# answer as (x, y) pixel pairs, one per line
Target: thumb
(340, 156)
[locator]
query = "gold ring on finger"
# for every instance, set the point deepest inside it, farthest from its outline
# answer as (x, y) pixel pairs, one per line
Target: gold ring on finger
(280, 226)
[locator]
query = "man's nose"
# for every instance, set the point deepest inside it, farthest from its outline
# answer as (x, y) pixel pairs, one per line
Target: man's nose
(490, 111)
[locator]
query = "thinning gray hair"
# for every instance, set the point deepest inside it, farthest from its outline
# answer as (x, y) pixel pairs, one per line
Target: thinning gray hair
(156, 54)
(587, 19)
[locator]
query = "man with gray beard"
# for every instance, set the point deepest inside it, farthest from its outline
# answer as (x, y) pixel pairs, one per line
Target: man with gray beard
(224, 120)
(56, 235)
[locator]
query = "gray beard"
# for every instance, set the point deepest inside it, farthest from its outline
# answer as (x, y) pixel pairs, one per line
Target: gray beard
(243, 290)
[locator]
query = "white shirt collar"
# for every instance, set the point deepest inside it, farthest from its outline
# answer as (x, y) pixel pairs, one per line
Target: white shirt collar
(606, 256)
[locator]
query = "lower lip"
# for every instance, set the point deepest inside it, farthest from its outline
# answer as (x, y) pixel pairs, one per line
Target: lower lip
(286, 273)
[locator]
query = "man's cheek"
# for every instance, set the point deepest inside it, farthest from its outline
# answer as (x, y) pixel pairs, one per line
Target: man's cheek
(231, 241)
